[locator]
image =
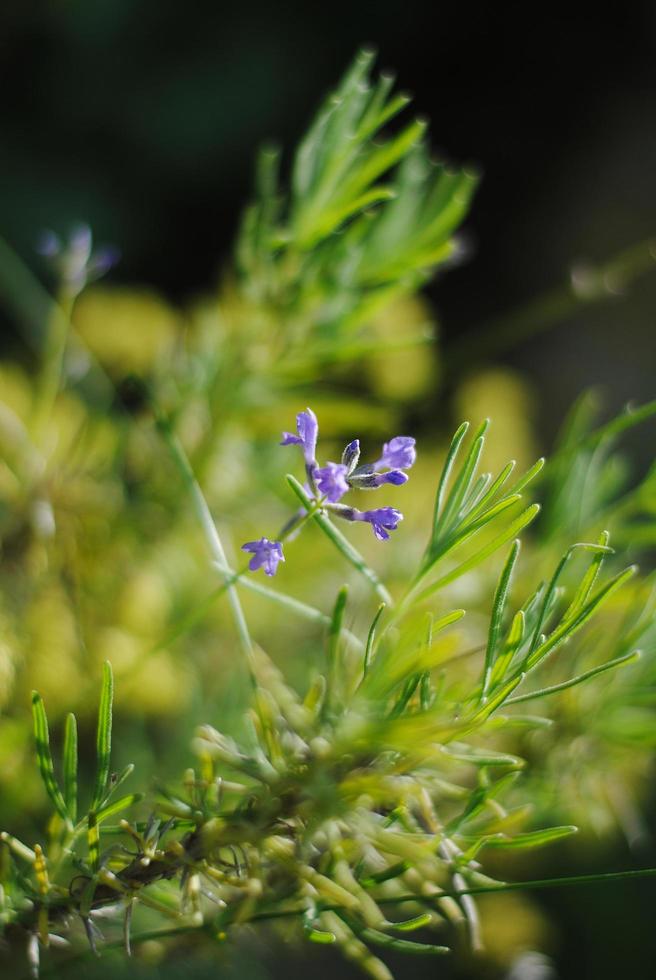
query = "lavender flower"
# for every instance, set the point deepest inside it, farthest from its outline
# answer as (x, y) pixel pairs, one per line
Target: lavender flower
(308, 430)
(327, 484)
(331, 481)
(382, 520)
(75, 261)
(398, 453)
(266, 554)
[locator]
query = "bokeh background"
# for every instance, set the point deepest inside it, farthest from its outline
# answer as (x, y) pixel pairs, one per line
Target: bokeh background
(142, 118)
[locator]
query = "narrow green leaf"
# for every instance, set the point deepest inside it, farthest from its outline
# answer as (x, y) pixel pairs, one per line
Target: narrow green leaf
(20, 850)
(335, 691)
(456, 442)
(498, 607)
(103, 737)
(533, 838)
(589, 579)
(371, 636)
(44, 756)
(507, 534)
(551, 588)
(121, 804)
(337, 216)
(512, 644)
(377, 938)
(628, 658)
(114, 783)
(409, 925)
(565, 630)
(464, 479)
(70, 766)
(529, 476)
(492, 491)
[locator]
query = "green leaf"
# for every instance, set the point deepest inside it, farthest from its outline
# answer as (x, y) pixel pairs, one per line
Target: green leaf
(377, 938)
(512, 644)
(628, 658)
(103, 737)
(566, 630)
(589, 579)
(371, 636)
(498, 607)
(335, 692)
(533, 838)
(70, 766)
(44, 756)
(456, 442)
(121, 804)
(507, 534)
(463, 480)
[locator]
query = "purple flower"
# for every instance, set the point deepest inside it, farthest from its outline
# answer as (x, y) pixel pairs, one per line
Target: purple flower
(308, 430)
(398, 453)
(266, 554)
(382, 520)
(75, 261)
(365, 479)
(331, 481)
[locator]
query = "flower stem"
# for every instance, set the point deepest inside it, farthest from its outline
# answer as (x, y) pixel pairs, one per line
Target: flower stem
(211, 534)
(340, 542)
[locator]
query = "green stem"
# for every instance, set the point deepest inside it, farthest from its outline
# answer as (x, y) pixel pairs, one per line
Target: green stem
(50, 376)
(342, 544)
(536, 884)
(213, 540)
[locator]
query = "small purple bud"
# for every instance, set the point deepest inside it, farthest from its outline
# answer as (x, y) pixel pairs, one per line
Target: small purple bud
(102, 260)
(398, 453)
(395, 477)
(331, 481)
(266, 554)
(362, 480)
(351, 455)
(48, 244)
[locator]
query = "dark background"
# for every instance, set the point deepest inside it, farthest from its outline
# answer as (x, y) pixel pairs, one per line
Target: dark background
(142, 118)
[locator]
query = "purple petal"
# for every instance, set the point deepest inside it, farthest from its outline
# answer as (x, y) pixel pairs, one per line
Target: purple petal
(331, 481)
(290, 440)
(398, 453)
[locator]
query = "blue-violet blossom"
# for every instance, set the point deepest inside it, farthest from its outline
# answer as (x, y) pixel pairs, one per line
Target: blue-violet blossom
(266, 554)
(76, 261)
(382, 520)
